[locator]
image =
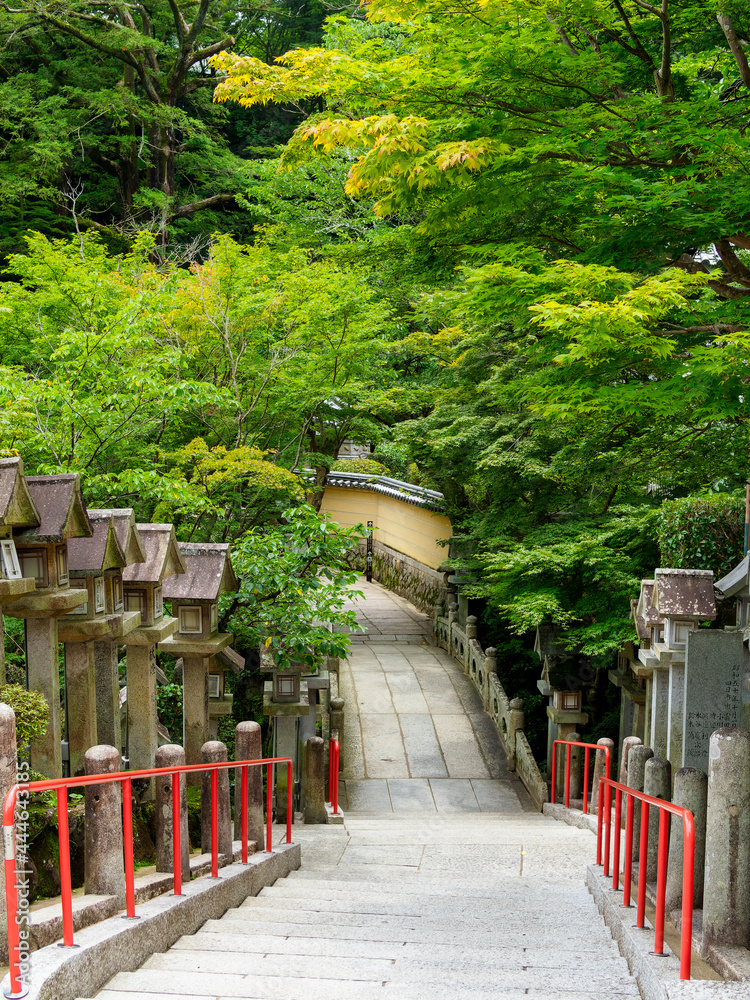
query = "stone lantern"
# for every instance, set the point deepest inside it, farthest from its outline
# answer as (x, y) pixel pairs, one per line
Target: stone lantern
(16, 512)
(194, 597)
(564, 711)
(43, 554)
(736, 583)
(142, 584)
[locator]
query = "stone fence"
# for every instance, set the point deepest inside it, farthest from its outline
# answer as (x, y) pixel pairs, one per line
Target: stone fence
(507, 714)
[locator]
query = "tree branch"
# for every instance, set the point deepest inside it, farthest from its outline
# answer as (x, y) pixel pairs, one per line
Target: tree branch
(725, 22)
(197, 206)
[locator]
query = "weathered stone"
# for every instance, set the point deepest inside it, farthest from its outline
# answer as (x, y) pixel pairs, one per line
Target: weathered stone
(104, 867)
(627, 745)
(171, 755)
(8, 778)
(212, 752)
(194, 709)
(337, 718)
(515, 725)
(690, 791)
(713, 690)
(45, 753)
(636, 773)
(576, 766)
(107, 693)
(657, 782)
(659, 711)
(726, 889)
(142, 732)
(249, 746)
(599, 771)
(471, 627)
(80, 682)
(675, 714)
(315, 793)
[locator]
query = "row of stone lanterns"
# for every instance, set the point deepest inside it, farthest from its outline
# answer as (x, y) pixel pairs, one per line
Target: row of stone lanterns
(94, 580)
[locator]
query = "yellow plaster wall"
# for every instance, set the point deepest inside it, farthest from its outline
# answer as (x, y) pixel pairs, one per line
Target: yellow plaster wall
(402, 526)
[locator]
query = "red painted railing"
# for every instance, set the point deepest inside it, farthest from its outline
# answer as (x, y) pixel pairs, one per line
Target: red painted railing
(688, 864)
(125, 778)
(333, 775)
(604, 803)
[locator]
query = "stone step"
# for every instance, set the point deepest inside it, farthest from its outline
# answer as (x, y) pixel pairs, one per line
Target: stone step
(506, 892)
(301, 989)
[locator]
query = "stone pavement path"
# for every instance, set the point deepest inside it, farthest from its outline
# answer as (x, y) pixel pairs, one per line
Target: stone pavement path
(441, 885)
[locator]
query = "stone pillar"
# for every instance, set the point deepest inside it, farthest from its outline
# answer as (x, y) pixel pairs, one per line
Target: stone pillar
(675, 713)
(636, 773)
(576, 767)
(657, 782)
(452, 613)
(647, 709)
(471, 627)
(103, 866)
(249, 746)
(659, 711)
(171, 755)
(690, 791)
(212, 752)
(286, 746)
(516, 723)
(337, 719)
(194, 709)
(627, 745)
(8, 778)
(315, 787)
(599, 772)
(142, 734)
(45, 754)
(80, 682)
(107, 693)
(726, 889)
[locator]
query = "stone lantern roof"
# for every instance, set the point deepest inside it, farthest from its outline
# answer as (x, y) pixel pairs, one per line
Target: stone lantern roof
(641, 628)
(208, 573)
(686, 594)
(123, 521)
(102, 551)
(16, 506)
(59, 504)
(736, 581)
(645, 608)
(163, 557)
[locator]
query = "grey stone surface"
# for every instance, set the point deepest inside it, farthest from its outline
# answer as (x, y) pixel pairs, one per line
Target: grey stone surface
(142, 734)
(713, 690)
(248, 745)
(107, 693)
(43, 672)
(627, 745)
(659, 712)
(194, 709)
(80, 680)
(690, 791)
(213, 752)
(314, 789)
(657, 782)
(104, 866)
(170, 755)
(636, 773)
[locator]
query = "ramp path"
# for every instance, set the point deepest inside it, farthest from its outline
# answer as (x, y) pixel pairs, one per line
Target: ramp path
(443, 883)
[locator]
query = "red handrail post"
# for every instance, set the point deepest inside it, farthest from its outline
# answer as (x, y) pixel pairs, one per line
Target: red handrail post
(335, 778)
(289, 783)
(214, 823)
(599, 824)
(567, 776)
(617, 835)
(176, 831)
(66, 892)
(244, 814)
(642, 858)
(688, 872)
(127, 844)
(661, 882)
(585, 780)
(607, 821)
(269, 807)
(554, 770)
(627, 873)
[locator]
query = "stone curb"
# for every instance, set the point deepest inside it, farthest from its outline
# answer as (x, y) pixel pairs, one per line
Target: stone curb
(122, 945)
(573, 817)
(657, 976)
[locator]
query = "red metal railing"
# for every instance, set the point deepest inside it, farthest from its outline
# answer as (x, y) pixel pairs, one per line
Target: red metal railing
(604, 804)
(688, 864)
(333, 775)
(126, 778)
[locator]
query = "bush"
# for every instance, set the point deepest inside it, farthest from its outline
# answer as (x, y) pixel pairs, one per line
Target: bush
(702, 532)
(32, 712)
(361, 465)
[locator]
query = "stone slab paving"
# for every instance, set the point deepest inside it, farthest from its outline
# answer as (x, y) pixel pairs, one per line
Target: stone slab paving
(442, 883)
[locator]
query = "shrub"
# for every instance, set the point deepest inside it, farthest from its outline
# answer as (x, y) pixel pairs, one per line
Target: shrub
(361, 465)
(32, 712)
(702, 532)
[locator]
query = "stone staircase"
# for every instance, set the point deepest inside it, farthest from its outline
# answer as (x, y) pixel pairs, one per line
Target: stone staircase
(409, 906)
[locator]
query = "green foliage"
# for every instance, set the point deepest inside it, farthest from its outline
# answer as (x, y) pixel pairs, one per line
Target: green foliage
(702, 532)
(169, 709)
(32, 712)
(362, 465)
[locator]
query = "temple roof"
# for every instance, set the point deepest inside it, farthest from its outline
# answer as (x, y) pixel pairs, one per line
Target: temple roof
(163, 558)
(685, 593)
(59, 504)
(16, 506)
(208, 573)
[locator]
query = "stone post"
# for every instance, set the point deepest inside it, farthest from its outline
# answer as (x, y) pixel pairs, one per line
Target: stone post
(337, 720)
(627, 745)
(80, 682)
(516, 723)
(249, 746)
(315, 788)
(690, 791)
(107, 693)
(104, 869)
(726, 889)
(8, 778)
(471, 627)
(45, 753)
(171, 755)
(599, 772)
(657, 782)
(142, 734)
(194, 709)
(490, 661)
(452, 613)
(636, 774)
(212, 752)
(576, 764)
